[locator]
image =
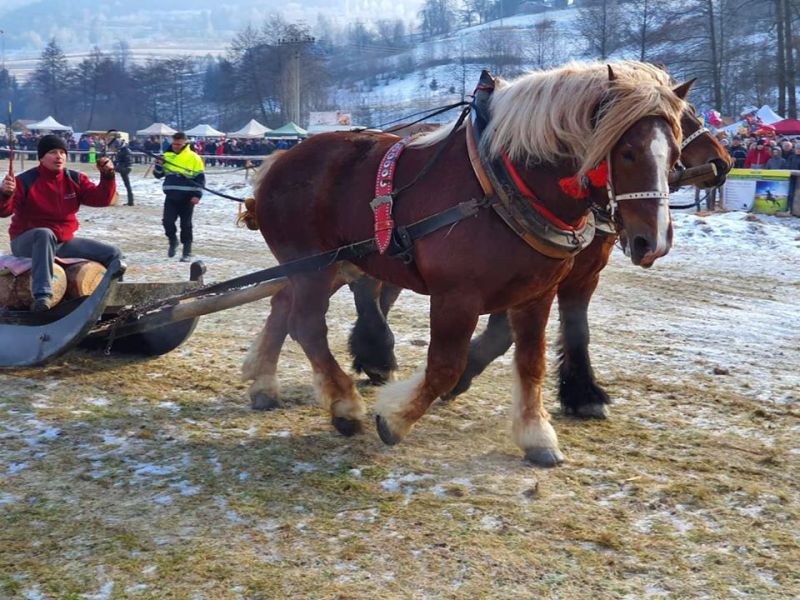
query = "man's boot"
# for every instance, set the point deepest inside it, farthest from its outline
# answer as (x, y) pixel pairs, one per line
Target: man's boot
(42, 303)
(173, 247)
(187, 252)
(130, 200)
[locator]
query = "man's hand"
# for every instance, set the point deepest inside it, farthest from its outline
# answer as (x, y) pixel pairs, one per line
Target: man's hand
(9, 185)
(195, 200)
(159, 160)
(105, 166)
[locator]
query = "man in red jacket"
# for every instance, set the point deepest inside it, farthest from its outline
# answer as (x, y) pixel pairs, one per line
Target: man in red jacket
(43, 203)
(758, 156)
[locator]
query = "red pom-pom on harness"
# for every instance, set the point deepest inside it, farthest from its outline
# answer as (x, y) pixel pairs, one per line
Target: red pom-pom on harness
(579, 188)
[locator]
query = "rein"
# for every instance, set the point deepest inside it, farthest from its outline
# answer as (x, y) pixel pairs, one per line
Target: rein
(194, 183)
(426, 114)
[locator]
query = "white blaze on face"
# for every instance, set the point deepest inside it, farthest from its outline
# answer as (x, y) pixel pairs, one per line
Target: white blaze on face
(659, 148)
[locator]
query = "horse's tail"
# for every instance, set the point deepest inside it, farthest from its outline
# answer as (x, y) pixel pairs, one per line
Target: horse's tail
(248, 217)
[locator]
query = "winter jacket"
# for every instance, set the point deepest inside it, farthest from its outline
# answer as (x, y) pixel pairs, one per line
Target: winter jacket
(793, 162)
(53, 201)
(739, 155)
(183, 173)
(756, 159)
(775, 162)
(123, 157)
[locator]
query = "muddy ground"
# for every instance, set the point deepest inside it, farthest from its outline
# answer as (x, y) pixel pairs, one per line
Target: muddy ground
(154, 479)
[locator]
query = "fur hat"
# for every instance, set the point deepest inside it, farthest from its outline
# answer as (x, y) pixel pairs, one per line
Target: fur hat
(50, 142)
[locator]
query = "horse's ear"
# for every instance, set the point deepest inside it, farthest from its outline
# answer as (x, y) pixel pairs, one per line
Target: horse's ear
(683, 89)
(611, 76)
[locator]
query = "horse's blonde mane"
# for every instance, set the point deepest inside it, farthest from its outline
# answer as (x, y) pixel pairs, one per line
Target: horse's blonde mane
(547, 116)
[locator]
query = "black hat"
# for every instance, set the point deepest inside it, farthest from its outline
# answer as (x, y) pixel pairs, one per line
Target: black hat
(50, 142)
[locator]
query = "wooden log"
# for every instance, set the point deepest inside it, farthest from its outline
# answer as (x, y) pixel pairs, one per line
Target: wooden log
(83, 278)
(15, 292)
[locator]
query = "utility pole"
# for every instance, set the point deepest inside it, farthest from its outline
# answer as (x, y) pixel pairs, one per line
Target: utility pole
(3, 43)
(297, 44)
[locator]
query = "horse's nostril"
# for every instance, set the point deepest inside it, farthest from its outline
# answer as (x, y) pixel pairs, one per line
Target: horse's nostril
(640, 246)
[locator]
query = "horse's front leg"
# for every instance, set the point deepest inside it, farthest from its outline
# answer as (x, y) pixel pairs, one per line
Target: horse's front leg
(401, 404)
(371, 341)
(495, 341)
(578, 391)
(530, 421)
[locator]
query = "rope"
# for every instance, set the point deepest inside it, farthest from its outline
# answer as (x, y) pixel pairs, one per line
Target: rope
(426, 115)
(194, 183)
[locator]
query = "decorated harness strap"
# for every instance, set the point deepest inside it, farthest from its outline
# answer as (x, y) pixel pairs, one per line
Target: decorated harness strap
(383, 202)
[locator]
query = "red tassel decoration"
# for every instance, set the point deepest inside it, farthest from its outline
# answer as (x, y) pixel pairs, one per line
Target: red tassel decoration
(572, 187)
(599, 175)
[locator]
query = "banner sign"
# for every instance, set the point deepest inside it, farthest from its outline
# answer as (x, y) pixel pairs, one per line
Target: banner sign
(760, 191)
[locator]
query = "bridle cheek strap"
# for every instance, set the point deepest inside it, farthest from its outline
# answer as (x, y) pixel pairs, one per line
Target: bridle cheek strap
(689, 139)
(614, 198)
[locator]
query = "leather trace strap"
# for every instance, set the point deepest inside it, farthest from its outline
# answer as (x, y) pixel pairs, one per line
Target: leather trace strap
(383, 202)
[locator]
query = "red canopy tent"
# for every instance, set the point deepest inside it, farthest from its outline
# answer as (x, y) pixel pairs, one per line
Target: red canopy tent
(787, 127)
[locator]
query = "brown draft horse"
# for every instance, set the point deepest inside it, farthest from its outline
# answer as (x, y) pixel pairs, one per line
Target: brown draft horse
(372, 342)
(578, 391)
(550, 124)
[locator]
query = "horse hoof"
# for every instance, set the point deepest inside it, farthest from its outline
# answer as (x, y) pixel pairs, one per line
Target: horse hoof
(263, 401)
(347, 427)
(379, 376)
(386, 434)
(593, 411)
(544, 457)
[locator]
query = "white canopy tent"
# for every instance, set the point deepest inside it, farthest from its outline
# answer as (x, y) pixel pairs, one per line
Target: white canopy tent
(49, 124)
(767, 115)
(159, 129)
(204, 130)
(252, 130)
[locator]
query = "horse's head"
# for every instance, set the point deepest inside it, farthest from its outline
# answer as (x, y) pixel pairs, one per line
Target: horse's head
(699, 148)
(639, 166)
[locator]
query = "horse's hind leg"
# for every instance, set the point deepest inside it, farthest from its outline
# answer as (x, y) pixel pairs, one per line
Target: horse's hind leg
(530, 421)
(495, 341)
(371, 341)
(401, 404)
(261, 363)
(335, 389)
(578, 391)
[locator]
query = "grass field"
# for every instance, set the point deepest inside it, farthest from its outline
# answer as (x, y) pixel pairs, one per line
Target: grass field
(155, 480)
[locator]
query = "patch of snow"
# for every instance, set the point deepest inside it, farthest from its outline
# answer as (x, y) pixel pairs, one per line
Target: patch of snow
(14, 468)
(491, 523)
(303, 467)
(98, 401)
(280, 434)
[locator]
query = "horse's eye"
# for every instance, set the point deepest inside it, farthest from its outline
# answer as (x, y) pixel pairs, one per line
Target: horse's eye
(628, 155)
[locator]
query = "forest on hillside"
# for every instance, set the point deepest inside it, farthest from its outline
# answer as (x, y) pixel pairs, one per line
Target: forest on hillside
(742, 52)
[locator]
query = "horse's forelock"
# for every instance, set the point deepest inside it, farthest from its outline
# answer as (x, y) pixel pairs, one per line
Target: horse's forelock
(546, 116)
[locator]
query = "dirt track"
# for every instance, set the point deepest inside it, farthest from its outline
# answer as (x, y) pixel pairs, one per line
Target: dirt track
(124, 479)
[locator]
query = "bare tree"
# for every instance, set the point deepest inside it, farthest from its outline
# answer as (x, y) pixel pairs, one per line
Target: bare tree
(544, 47)
(600, 23)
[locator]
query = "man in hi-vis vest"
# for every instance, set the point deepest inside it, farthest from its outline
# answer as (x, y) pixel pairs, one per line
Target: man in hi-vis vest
(183, 173)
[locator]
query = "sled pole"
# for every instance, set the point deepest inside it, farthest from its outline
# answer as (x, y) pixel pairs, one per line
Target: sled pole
(693, 176)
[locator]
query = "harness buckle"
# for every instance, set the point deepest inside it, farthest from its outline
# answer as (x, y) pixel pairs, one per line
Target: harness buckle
(380, 201)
